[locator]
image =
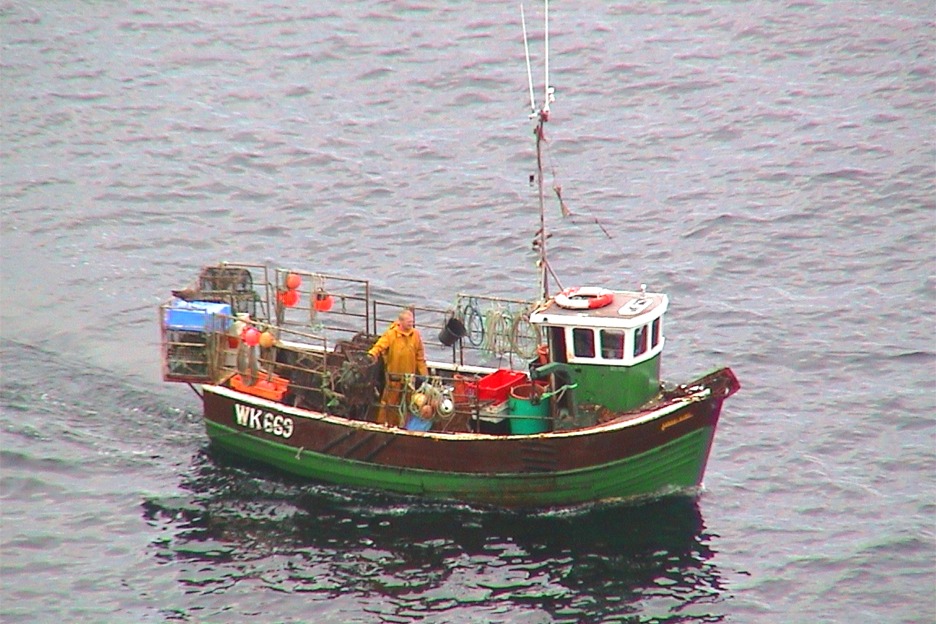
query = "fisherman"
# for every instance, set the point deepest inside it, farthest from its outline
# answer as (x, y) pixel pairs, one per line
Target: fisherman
(403, 353)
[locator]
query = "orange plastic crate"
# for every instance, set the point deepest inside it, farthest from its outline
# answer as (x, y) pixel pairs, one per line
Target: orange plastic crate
(274, 389)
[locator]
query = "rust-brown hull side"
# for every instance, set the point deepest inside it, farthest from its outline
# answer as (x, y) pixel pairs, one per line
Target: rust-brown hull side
(465, 453)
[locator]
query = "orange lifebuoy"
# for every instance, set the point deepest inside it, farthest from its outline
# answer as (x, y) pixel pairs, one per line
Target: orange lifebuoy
(587, 298)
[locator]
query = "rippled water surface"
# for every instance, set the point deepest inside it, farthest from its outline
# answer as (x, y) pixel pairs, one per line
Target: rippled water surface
(770, 165)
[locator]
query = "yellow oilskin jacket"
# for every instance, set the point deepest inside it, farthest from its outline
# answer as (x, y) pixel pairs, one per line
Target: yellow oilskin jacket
(403, 352)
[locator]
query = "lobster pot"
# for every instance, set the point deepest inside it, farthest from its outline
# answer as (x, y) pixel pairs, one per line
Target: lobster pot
(527, 416)
(187, 338)
(186, 355)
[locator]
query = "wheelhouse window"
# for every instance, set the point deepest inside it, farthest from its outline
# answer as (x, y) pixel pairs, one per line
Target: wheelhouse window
(655, 332)
(640, 340)
(583, 342)
(612, 344)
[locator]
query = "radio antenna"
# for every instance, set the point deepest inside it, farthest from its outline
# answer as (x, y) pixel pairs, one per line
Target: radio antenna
(548, 94)
(526, 48)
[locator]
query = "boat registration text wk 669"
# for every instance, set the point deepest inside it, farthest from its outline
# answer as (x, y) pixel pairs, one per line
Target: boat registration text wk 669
(254, 418)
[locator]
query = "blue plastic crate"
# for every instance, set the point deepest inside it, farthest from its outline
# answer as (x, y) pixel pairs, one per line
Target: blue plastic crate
(197, 316)
(415, 423)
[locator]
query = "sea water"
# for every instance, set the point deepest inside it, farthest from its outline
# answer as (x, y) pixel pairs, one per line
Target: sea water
(769, 165)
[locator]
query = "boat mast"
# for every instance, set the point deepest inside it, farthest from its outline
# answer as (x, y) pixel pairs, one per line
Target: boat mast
(541, 116)
(542, 262)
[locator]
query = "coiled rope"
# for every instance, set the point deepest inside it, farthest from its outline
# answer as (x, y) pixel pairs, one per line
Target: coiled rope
(500, 330)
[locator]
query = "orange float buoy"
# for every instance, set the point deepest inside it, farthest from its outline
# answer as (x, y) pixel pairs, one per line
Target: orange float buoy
(290, 298)
(324, 302)
(293, 281)
(266, 340)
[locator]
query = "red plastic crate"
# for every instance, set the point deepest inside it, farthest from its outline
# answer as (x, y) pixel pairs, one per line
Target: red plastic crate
(496, 386)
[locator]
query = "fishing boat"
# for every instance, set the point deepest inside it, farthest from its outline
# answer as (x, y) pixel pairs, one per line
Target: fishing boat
(557, 400)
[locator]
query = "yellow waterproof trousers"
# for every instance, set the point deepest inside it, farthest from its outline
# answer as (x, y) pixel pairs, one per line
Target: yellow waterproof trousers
(389, 411)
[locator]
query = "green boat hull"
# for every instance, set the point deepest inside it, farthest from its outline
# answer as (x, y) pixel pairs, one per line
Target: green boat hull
(676, 465)
(662, 448)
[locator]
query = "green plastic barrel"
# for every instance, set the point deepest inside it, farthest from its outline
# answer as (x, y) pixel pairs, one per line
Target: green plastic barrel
(525, 417)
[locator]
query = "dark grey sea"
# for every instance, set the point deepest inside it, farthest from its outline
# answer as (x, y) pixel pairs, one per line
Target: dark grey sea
(770, 165)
